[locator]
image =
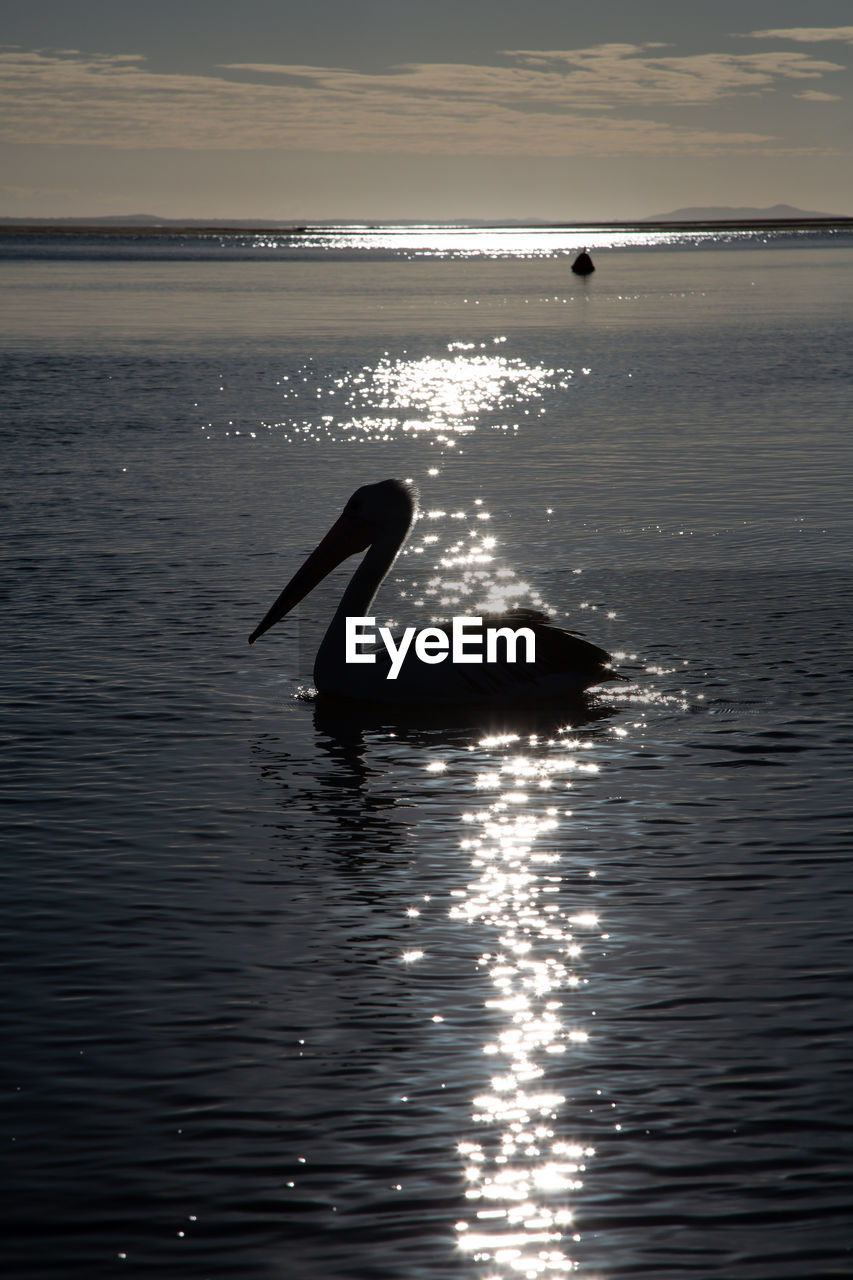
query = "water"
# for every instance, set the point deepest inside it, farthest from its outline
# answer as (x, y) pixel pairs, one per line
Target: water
(288, 994)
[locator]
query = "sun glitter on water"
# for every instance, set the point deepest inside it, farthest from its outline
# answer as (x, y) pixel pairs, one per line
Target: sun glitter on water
(524, 1168)
(443, 397)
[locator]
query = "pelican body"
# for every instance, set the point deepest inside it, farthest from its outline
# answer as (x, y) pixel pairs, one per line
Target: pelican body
(377, 520)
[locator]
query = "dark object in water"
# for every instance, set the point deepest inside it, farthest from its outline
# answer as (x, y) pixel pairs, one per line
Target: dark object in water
(583, 264)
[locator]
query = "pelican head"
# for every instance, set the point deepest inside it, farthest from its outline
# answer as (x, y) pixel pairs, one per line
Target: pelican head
(389, 503)
(377, 515)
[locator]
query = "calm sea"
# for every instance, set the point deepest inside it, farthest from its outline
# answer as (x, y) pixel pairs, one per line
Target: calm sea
(291, 995)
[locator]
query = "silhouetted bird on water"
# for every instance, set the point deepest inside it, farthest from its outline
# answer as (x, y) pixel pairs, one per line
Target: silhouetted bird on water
(583, 264)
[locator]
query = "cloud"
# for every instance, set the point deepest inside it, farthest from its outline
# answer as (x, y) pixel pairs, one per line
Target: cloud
(604, 78)
(614, 99)
(629, 74)
(814, 95)
(805, 35)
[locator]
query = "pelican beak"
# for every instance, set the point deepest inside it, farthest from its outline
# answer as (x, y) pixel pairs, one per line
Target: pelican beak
(346, 538)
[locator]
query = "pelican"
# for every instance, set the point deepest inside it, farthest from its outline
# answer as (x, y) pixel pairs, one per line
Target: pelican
(377, 519)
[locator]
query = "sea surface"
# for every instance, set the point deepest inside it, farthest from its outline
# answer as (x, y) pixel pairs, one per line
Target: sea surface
(289, 993)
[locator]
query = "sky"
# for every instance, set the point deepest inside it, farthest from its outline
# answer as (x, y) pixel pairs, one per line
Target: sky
(371, 110)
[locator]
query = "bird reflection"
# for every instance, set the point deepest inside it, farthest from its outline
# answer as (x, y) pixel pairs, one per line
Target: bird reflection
(431, 726)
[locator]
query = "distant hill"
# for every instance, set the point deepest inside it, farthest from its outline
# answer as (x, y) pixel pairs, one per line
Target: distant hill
(115, 224)
(723, 213)
(136, 220)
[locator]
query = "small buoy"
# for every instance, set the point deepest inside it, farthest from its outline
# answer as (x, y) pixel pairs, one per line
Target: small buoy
(583, 264)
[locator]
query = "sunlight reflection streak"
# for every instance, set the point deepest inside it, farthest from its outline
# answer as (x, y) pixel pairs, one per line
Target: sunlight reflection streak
(523, 1171)
(440, 396)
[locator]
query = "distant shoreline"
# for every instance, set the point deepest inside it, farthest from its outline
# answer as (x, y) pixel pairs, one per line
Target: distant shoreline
(194, 229)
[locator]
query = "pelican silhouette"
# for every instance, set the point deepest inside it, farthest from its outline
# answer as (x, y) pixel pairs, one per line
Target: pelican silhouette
(376, 520)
